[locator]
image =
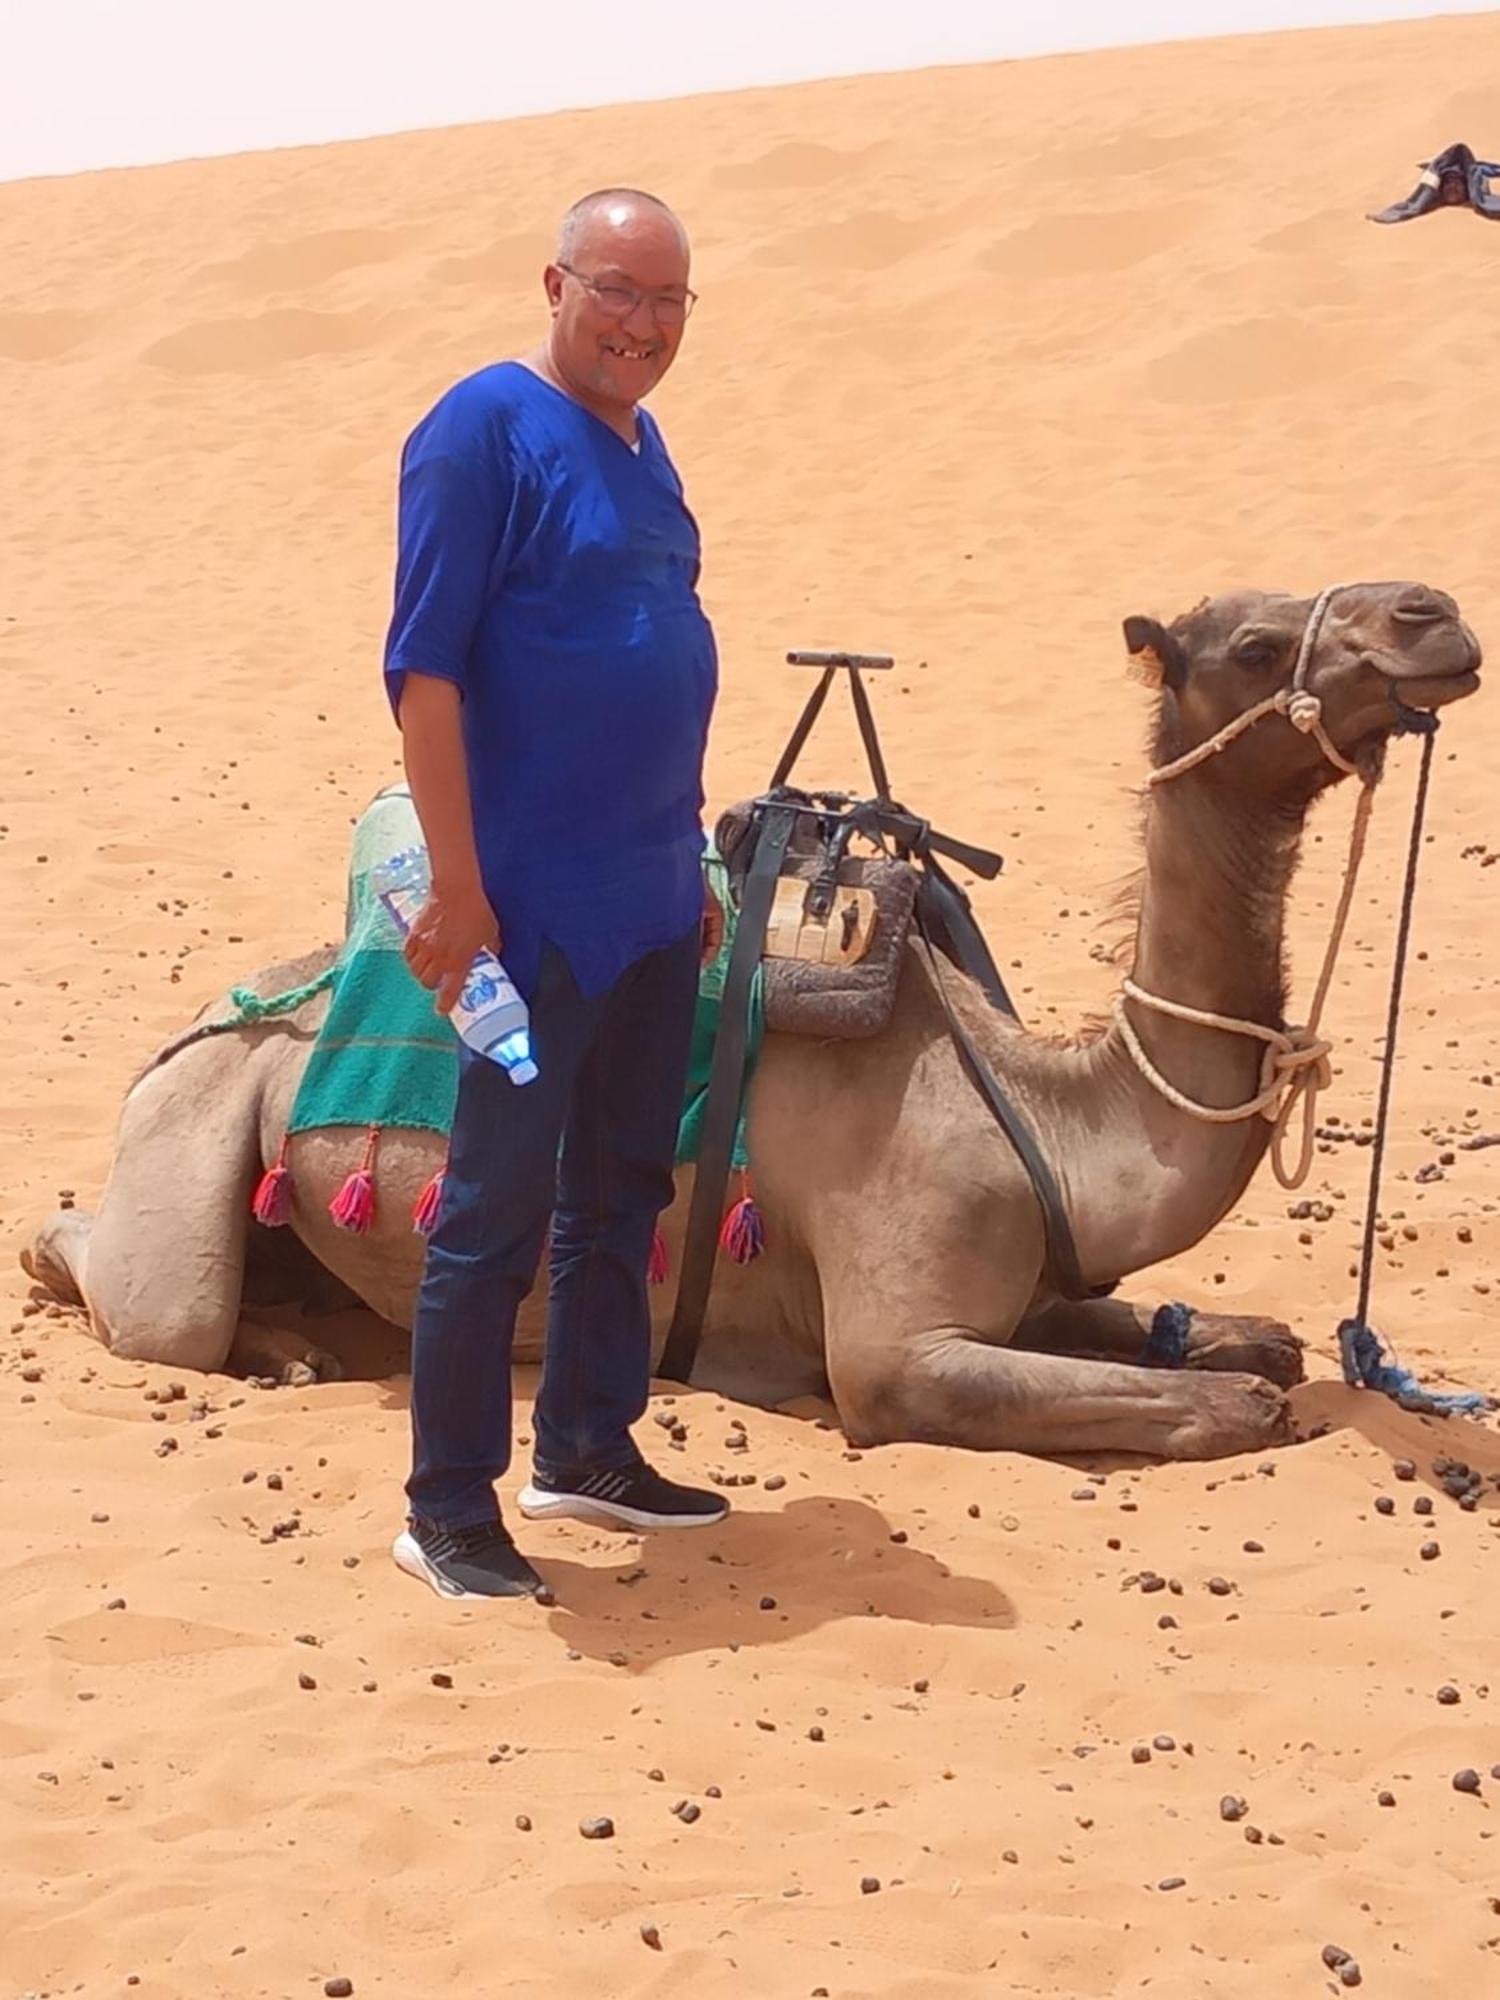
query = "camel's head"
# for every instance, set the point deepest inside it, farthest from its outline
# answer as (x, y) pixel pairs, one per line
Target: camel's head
(1376, 650)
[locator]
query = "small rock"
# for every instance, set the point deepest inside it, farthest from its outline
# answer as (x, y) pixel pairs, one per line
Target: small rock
(442, 1680)
(1349, 1973)
(1403, 1469)
(775, 1483)
(1384, 1504)
(1430, 1551)
(815, 1734)
(1386, 1799)
(1231, 1808)
(523, 1822)
(1139, 1754)
(1084, 1493)
(868, 1884)
(306, 1682)
(1334, 1956)
(768, 1604)
(651, 1936)
(602, 1828)
(1219, 1586)
(1448, 1696)
(687, 1812)
(1173, 1882)
(338, 1989)
(1163, 1743)
(1466, 1781)
(1422, 1504)
(1253, 1548)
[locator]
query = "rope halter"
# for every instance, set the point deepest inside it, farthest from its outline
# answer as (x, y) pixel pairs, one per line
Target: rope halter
(1296, 1065)
(1297, 702)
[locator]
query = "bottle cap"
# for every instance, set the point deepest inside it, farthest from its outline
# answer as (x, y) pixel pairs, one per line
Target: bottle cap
(523, 1072)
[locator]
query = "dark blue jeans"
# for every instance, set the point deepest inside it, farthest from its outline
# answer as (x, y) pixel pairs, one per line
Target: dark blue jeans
(608, 1094)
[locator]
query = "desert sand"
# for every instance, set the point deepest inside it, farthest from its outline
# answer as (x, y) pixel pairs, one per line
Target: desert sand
(987, 359)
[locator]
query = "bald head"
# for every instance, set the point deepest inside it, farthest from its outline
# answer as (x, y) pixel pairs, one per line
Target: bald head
(598, 221)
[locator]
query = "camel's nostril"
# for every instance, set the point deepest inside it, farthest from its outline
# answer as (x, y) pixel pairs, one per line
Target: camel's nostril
(1424, 607)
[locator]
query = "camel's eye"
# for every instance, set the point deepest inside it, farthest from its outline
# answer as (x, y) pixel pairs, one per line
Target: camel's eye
(1255, 649)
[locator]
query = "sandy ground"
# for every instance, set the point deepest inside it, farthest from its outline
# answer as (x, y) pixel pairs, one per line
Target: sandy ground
(986, 360)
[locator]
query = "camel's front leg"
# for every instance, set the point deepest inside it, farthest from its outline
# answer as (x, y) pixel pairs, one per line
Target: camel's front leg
(947, 1385)
(1118, 1329)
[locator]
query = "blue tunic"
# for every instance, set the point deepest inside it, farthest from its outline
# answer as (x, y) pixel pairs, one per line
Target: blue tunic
(551, 573)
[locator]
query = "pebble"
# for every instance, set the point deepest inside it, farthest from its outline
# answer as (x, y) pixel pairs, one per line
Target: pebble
(602, 1828)
(768, 1604)
(1253, 1548)
(775, 1483)
(1403, 1469)
(1386, 1799)
(815, 1734)
(1430, 1551)
(1231, 1808)
(338, 1989)
(1172, 1882)
(1384, 1504)
(1466, 1781)
(1422, 1504)
(1163, 1743)
(651, 1936)
(442, 1680)
(687, 1812)
(523, 1822)
(1447, 1696)
(306, 1682)
(1140, 1754)
(868, 1884)
(1084, 1493)
(1219, 1586)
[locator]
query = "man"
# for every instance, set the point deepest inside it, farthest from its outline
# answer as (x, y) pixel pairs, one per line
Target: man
(553, 674)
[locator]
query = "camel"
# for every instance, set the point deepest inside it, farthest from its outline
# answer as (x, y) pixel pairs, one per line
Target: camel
(906, 1276)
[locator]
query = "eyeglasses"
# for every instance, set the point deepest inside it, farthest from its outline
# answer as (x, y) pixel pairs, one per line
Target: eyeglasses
(620, 301)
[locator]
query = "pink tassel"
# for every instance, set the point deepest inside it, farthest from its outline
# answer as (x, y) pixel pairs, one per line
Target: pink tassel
(353, 1207)
(429, 1206)
(658, 1264)
(743, 1236)
(271, 1203)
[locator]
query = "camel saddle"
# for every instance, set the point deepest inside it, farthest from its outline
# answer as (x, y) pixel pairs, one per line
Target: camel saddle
(827, 929)
(838, 923)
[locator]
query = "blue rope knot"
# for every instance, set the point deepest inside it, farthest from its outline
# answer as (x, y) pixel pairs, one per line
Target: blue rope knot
(1366, 1367)
(1167, 1343)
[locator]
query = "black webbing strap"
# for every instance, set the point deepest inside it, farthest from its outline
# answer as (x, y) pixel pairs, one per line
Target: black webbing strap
(949, 922)
(722, 1110)
(1062, 1252)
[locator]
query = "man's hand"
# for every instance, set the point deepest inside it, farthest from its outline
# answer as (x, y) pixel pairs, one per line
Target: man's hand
(713, 927)
(447, 934)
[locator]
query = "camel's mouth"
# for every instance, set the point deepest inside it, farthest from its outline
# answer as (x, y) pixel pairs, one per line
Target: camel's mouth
(1436, 690)
(1449, 671)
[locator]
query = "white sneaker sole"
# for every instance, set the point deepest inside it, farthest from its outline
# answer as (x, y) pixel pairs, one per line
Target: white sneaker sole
(539, 1506)
(409, 1555)
(407, 1551)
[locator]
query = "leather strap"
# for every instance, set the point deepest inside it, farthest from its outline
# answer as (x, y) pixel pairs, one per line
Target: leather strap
(722, 1110)
(1062, 1252)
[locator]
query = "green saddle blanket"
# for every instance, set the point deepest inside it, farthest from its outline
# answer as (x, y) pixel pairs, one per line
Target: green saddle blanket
(385, 1057)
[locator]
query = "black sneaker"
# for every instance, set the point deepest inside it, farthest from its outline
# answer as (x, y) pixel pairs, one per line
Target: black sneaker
(479, 1561)
(621, 1496)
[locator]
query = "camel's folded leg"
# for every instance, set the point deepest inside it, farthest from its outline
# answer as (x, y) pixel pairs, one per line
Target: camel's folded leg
(947, 1385)
(1223, 1342)
(159, 1265)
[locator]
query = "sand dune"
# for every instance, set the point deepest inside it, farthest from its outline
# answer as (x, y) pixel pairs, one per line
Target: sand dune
(987, 359)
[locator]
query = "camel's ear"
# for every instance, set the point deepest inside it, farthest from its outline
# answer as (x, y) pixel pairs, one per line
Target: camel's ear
(1156, 657)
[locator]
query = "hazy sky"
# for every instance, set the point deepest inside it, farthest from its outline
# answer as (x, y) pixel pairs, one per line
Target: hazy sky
(90, 83)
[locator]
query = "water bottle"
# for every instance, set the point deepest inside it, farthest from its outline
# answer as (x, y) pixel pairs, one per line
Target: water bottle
(490, 1015)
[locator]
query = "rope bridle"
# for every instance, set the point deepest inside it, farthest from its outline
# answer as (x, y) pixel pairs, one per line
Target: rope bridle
(1296, 1065)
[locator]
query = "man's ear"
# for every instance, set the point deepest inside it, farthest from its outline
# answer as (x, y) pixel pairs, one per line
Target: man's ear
(1156, 657)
